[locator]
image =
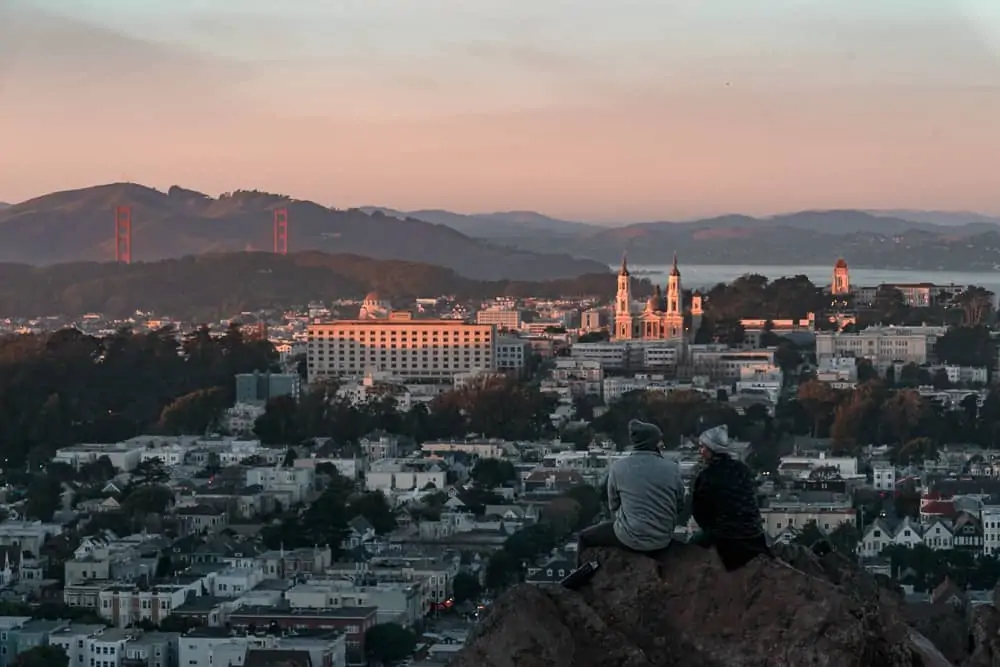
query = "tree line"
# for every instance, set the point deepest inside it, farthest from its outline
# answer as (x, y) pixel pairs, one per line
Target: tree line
(495, 406)
(214, 286)
(66, 387)
(873, 412)
(754, 296)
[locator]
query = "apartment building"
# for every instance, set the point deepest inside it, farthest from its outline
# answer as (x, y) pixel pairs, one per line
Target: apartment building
(501, 318)
(796, 515)
(722, 364)
(211, 647)
(293, 484)
(512, 354)
(124, 605)
(397, 602)
(404, 475)
(484, 449)
(882, 345)
(402, 346)
(258, 388)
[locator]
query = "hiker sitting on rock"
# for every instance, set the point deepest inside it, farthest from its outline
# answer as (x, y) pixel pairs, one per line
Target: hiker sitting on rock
(724, 503)
(644, 493)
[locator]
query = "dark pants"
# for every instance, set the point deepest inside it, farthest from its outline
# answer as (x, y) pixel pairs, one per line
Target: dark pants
(603, 535)
(735, 553)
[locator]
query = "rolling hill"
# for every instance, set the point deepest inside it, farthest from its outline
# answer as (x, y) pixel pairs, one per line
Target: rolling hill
(520, 226)
(217, 285)
(807, 237)
(78, 225)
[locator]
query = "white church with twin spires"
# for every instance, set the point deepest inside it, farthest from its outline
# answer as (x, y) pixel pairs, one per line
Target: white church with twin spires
(661, 318)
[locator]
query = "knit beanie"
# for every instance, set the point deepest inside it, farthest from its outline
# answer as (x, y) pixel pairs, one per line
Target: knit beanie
(644, 436)
(717, 440)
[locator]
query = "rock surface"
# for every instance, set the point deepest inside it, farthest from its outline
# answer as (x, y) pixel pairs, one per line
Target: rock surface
(687, 611)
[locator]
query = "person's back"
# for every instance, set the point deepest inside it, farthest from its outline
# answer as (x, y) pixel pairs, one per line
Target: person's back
(727, 490)
(724, 503)
(649, 494)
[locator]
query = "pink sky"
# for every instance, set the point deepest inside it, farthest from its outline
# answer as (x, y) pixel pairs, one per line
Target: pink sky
(709, 113)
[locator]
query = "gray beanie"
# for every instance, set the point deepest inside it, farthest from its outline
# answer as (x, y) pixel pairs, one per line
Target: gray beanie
(717, 440)
(644, 436)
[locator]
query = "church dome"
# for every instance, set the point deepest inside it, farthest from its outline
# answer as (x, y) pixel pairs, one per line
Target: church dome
(371, 297)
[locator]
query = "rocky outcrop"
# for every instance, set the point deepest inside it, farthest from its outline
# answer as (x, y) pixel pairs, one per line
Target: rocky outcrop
(985, 637)
(687, 611)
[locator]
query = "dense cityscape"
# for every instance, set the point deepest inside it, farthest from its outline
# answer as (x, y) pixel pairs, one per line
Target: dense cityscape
(359, 481)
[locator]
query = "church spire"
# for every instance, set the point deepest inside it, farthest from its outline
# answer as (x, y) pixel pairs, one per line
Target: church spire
(624, 271)
(675, 271)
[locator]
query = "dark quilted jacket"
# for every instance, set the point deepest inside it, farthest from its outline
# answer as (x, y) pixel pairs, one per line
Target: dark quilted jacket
(724, 500)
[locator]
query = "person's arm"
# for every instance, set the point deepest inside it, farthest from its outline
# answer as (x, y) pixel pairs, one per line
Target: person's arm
(703, 502)
(614, 499)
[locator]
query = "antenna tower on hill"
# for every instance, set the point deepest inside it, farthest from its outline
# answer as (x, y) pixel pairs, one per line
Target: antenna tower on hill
(281, 231)
(123, 234)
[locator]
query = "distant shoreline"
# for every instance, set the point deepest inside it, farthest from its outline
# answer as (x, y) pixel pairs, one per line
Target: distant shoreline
(707, 275)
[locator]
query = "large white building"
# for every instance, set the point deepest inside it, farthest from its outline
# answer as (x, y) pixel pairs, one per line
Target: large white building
(401, 346)
(882, 345)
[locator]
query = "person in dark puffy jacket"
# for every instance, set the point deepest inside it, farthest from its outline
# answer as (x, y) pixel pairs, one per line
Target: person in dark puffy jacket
(724, 503)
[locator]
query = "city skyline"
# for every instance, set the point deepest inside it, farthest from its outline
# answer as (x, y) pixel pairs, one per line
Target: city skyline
(591, 112)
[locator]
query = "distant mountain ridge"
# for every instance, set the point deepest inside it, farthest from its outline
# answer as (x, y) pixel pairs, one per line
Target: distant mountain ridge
(495, 226)
(78, 225)
(866, 239)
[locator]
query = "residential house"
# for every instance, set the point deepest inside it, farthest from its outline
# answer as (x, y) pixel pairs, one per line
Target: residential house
(968, 533)
(552, 482)
(359, 532)
(877, 537)
(907, 534)
(938, 535)
(948, 592)
(201, 519)
(553, 571)
(306, 560)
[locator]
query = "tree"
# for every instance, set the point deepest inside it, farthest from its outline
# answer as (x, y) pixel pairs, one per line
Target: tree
(866, 370)
(977, 306)
(594, 336)
(563, 514)
(967, 346)
(290, 456)
(41, 656)
(819, 400)
(809, 535)
(466, 587)
(580, 436)
(194, 413)
(374, 507)
(902, 413)
(389, 642)
(501, 569)
(150, 471)
(588, 501)
(144, 500)
(43, 497)
(278, 425)
(490, 473)
(940, 379)
(787, 356)
(844, 538)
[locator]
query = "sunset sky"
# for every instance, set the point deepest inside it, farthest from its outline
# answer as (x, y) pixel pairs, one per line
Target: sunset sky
(584, 109)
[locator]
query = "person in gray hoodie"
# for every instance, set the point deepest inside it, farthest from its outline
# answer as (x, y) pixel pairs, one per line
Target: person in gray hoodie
(645, 492)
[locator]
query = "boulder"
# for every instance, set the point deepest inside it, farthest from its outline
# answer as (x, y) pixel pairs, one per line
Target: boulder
(985, 637)
(685, 610)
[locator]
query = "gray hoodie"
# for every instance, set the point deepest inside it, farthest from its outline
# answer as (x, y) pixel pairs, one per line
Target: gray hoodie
(645, 492)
